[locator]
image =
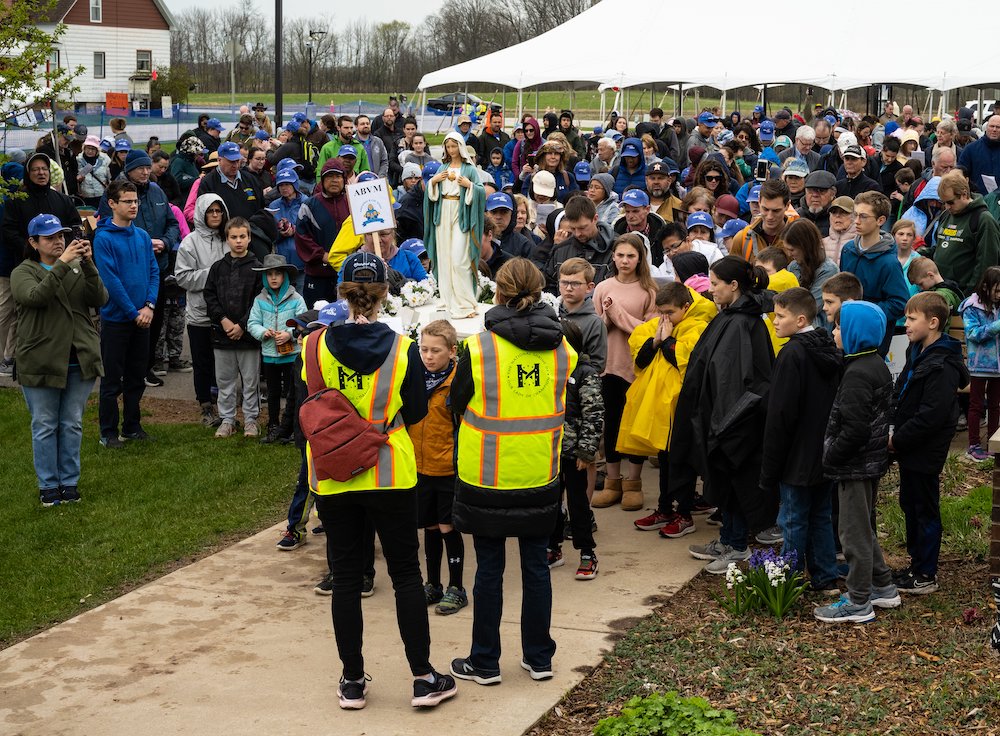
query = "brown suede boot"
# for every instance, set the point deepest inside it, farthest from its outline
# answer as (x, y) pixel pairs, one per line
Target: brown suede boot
(632, 497)
(611, 494)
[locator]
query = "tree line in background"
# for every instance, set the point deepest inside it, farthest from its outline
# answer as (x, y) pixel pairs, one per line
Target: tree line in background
(357, 56)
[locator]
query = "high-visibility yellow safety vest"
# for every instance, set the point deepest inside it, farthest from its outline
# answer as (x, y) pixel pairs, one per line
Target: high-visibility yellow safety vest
(511, 434)
(376, 397)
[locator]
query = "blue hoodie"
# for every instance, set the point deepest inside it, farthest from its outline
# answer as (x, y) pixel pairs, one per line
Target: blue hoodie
(881, 277)
(125, 259)
(623, 179)
(862, 327)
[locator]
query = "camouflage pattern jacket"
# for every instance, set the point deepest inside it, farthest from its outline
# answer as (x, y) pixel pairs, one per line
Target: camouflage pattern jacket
(584, 426)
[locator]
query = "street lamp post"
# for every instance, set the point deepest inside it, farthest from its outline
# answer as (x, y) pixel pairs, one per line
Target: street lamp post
(313, 36)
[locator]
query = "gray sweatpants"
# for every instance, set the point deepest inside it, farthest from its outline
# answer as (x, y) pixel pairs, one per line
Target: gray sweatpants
(857, 537)
(230, 366)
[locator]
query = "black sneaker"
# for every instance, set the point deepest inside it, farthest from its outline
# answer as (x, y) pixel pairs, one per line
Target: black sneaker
(463, 670)
(274, 434)
(433, 593)
(153, 380)
(318, 529)
(700, 506)
(917, 584)
(352, 694)
(537, 673)
(50, 497)
(428, 694)
(69, 494)
(324, 586)
(290, 540)
(715, 518)
(140, 436)
(112, 442)
(367, 586)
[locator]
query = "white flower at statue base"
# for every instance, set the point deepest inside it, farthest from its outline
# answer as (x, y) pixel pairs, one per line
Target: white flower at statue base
(391, 305)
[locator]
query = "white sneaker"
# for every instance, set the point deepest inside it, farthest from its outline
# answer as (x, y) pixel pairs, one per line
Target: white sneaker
(226, 429)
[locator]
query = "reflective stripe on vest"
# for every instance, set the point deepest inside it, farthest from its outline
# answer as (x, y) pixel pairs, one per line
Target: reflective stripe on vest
(511, 434)
(396, 465)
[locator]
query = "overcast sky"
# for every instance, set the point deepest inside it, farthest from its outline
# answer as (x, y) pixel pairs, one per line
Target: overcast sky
(376, 11)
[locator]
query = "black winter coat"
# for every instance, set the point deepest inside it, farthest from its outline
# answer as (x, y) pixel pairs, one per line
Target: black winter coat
(244, 201)
(856, 446)
(723, 400)
(808, 371)
(229, 292)
(530, 512)
(19, 211)
(925, 404)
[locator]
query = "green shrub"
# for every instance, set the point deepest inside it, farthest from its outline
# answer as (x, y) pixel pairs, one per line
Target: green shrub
(668, 714)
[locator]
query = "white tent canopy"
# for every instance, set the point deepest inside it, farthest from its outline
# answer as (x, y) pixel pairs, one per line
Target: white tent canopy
(837, 55)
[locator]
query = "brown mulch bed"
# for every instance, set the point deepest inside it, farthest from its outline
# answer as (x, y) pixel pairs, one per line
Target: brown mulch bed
(924, 668)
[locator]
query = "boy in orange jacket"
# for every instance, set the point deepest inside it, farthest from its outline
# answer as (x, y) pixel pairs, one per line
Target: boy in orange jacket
(434, 445)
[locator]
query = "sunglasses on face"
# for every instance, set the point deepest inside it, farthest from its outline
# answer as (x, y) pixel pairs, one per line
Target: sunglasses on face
(713, 178)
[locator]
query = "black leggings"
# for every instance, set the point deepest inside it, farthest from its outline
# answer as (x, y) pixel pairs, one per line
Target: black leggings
(202, 361)
(613, 389)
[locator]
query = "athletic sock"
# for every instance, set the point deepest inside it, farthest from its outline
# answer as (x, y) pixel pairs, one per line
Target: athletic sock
(433, 550)
(456, 552)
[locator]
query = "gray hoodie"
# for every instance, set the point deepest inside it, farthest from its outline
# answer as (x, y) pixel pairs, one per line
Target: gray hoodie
(197, 252)
(608, 210)
(595, 334)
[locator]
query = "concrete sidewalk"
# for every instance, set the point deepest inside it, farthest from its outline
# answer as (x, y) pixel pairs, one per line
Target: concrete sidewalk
(239, 642)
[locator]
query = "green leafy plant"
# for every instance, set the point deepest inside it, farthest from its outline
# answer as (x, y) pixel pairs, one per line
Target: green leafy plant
(771, 583)
(669, 714)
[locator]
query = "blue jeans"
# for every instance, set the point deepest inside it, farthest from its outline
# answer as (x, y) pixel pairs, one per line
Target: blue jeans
(806, 520)
(57, 429)
(487, 605)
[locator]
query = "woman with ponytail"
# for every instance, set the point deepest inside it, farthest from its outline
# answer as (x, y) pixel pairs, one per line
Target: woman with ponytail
(510, 391)
(723, 400)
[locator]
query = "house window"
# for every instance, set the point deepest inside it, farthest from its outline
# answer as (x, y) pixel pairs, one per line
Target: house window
(144, 61)
(54, 59)
(95, 12)
(98, 65)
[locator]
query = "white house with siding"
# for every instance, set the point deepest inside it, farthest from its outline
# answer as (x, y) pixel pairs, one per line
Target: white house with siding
(117, 42)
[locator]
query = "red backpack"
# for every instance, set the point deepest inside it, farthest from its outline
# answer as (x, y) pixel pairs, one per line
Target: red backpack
(342, 443)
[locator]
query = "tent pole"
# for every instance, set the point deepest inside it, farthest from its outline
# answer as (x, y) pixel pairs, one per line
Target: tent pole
(763, 99)
(503, 101)
(604, 93)
(979, 109)
(697, 101)
(625, 108)
(679, 101)
(536, 105)
(722, 103)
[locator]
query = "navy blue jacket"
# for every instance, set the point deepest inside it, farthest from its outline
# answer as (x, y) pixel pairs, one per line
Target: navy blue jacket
(981, 157)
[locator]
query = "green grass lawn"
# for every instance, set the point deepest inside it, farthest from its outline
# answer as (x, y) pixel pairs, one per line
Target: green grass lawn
(145, 509)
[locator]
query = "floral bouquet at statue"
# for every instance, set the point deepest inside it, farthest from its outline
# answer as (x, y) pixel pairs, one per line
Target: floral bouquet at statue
(418, 293)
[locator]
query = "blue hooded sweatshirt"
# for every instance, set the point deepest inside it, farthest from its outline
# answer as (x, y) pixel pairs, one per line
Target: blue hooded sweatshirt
(882, 280)
(862, 325)
(918, 211)
(624, 179)
(124, 257)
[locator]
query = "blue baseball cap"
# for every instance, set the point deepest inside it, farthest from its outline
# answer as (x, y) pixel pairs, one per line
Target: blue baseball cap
(414, 245)
(766, 131)
(300, 116)
(293, 125)
(107, 144)
(367, 176)
(286, 175)
(830, 119)
(347, 150)
(582, 171)
(707, 118)
(289, 163)
(754, 195)
(614, 135)
(230, 151)
(732, 227)
(499, 201)
(759, 109)
(122, 144)
(45, 225)
(262, 135)
(598, 130)
(700, 219)
(337, 311)
(635, 198)
(632, 147)
(214, 124)
(429, 170)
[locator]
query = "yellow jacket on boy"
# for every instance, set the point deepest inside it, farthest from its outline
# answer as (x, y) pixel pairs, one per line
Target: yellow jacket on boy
(652, 399)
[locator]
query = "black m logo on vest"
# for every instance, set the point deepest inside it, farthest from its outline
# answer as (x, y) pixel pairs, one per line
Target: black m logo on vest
(344, 378)
(534, 375)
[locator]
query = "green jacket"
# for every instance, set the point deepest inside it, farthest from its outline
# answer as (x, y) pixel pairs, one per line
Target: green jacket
(330, 150)
(54, 316)
(963, 255)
